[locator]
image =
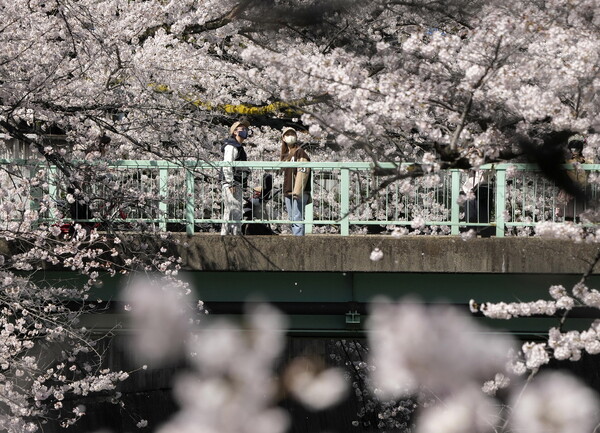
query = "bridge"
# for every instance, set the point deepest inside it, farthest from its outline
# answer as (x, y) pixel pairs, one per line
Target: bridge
(324, 280)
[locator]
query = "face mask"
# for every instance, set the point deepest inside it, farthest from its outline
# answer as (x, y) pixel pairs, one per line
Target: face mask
(290, 139)
(243, 133)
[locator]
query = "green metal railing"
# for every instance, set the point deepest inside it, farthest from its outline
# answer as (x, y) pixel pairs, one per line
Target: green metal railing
(347, 197)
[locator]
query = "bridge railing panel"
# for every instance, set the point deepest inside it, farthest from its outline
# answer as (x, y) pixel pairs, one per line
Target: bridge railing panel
(531, 199)
(347, 198)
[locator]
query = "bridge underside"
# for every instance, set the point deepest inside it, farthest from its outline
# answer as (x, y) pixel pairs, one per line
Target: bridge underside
(325, 283)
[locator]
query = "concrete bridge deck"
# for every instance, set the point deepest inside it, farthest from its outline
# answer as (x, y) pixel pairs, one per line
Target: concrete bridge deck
(420, 254)
(332, 253)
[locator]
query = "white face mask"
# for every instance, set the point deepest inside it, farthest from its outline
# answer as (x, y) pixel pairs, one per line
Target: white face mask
(290, 139)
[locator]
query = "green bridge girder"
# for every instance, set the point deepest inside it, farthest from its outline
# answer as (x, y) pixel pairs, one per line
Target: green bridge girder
(325, 283)
(336, 303)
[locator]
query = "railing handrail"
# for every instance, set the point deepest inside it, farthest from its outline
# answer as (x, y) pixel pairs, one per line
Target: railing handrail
(217, 164)
(352, 165)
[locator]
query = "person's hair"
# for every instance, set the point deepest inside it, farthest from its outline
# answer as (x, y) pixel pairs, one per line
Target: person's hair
(576, 144)
(285, 150)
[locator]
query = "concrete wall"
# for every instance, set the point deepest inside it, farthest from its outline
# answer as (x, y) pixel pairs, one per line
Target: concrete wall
(403, 254)
(331, 253)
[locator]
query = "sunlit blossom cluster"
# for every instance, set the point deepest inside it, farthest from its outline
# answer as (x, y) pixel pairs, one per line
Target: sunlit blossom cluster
(47, 359)
(561, 345)
(407, 342)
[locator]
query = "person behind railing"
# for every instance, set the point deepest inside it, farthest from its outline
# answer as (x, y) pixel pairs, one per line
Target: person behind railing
(571, 207)
(255, 207)
(80, 211)
(480, 203)
(234, 180)
(296, 187)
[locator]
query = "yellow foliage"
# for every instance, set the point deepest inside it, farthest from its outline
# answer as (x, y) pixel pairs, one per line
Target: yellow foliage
(249, 110)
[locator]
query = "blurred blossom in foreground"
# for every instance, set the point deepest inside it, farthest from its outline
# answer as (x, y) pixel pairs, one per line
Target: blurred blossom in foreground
(556, 403)
(468, 411)
(159, 311)
(315, 389)
(232, 388)
(434, 347)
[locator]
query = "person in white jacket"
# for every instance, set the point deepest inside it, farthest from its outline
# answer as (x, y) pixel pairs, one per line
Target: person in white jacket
(234, 180)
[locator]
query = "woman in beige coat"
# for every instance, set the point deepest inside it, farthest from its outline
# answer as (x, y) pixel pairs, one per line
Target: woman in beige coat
(296, 185)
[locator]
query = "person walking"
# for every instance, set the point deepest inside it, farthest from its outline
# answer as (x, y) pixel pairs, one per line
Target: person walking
(234, 180)
(296, 185)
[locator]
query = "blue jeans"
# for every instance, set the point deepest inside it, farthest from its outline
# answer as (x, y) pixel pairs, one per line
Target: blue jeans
(295, 208)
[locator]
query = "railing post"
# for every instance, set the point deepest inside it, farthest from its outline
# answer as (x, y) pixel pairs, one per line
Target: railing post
(34, 193)
(163, 192)
(190, 202)
(345, 201)
(308, 209)
(500, 200)
(455, 207)
(52, 191)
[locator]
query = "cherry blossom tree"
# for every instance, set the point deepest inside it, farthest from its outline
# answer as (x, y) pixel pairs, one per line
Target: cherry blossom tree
(434, 353)
(387, 79)
(445, 84)
(49, 359)
(451, 84)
